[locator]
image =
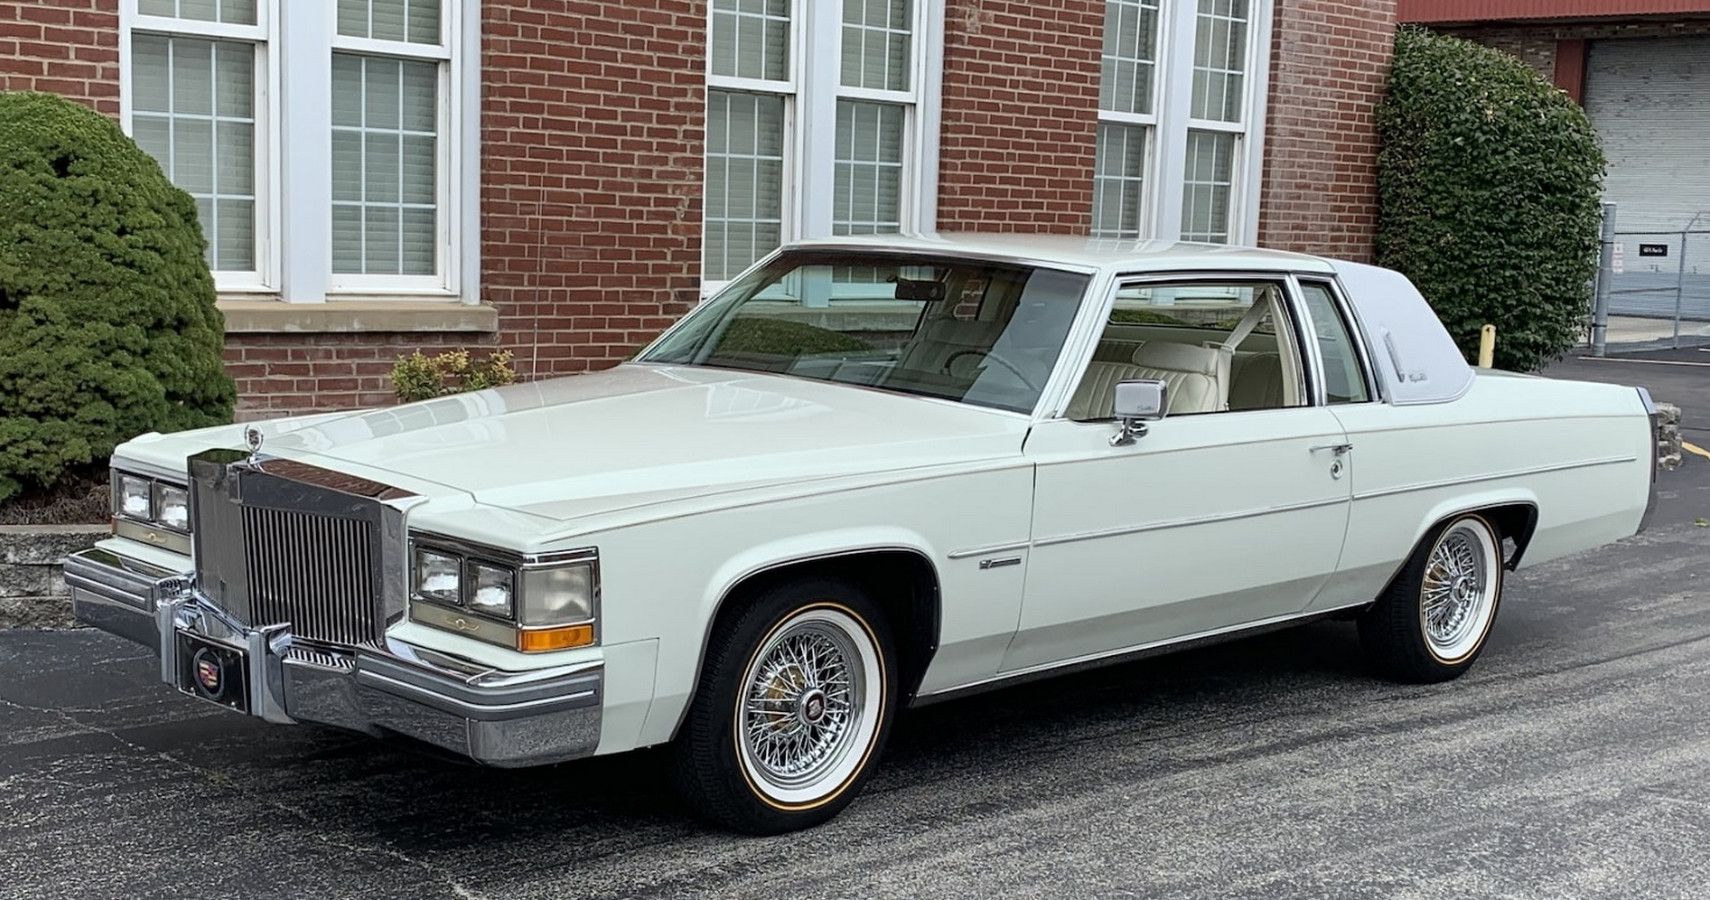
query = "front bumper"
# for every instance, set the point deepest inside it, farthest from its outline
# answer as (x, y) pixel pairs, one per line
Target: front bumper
(493, 717)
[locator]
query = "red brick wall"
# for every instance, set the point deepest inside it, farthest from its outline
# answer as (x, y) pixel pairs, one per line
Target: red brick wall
(591, 174)
(1329, 63)
(1531, 46)
(65, 47)
(1020, 115)
(291, 374)
(591, 118)
(591, 169)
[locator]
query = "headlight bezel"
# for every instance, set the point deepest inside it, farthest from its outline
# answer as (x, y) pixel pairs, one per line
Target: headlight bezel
(514, 626)
(146, 527)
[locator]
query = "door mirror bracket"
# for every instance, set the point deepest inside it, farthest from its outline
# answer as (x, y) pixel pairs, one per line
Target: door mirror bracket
(1135, 403)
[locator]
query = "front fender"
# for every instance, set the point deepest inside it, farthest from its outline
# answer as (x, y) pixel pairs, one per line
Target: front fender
(676, 688)
(803, 548)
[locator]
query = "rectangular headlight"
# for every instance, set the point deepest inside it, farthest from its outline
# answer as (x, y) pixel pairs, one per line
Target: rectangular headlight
(134, 498)
(438, 577)
(492, 589)
(171, 507)
(558, 596)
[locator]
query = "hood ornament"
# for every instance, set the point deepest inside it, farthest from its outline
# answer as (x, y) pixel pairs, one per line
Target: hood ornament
(253, 437)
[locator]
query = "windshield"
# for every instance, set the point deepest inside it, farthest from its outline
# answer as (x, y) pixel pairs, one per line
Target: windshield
(981, 333)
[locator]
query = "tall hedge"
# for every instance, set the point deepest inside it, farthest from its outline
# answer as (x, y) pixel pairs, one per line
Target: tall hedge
(1489, 182)
(107, 320)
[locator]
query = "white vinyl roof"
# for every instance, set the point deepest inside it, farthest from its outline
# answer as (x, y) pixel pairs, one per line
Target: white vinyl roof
(1084, 252)
(1412, 352)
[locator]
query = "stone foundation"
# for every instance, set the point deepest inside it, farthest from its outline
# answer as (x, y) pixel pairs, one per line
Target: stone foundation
(32, 586)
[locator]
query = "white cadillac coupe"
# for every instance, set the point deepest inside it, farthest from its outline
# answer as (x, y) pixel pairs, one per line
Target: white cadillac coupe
(867, 474)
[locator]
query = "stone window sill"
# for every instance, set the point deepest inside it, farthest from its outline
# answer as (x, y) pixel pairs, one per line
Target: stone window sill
(244, 316)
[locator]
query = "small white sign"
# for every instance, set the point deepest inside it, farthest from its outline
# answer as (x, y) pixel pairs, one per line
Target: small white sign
(1617, 258)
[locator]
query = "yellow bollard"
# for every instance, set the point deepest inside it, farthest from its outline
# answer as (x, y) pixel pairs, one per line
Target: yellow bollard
(1486, 346)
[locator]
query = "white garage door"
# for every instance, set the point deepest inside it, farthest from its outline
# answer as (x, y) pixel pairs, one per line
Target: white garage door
(1650, 101)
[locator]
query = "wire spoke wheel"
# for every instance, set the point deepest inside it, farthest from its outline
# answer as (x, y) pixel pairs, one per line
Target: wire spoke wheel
(1457, 593)
(808, 708)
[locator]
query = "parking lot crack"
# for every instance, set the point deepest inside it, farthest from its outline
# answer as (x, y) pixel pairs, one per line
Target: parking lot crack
(320, 834)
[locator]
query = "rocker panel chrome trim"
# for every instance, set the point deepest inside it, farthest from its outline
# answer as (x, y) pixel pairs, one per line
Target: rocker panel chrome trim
(1130, 654)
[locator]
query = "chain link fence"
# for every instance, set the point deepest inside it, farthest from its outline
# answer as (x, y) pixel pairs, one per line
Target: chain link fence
(1658, 286)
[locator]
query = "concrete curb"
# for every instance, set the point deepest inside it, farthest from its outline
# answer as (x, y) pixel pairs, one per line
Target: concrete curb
(32, 584)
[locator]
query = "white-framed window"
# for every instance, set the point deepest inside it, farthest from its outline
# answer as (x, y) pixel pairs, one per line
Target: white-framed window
(876, 100)
(1181, 104)
(196, 96)
(751, 102)
(1127, 112)
(1216, 120)
(391, 182)
(359, 187)
(797, 148)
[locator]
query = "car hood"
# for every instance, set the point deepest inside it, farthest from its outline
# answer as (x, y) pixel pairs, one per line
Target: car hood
(643, 435)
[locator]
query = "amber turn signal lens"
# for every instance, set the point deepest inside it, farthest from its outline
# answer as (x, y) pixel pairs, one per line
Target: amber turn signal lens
(566, 637)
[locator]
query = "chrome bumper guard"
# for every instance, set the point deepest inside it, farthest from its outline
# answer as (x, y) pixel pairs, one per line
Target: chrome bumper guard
(493, 717)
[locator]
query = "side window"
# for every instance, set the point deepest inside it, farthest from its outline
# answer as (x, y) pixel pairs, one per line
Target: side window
(1219, 346)
(1344, 378)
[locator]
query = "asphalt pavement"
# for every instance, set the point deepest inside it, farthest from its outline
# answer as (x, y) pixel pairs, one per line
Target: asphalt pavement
(1572, 761)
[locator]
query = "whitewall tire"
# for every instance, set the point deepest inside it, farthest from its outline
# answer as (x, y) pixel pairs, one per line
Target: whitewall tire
(1436, 615)
(793, 707)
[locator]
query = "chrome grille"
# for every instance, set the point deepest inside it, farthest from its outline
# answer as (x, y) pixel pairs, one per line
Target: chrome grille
(314, 571)
(284, 542)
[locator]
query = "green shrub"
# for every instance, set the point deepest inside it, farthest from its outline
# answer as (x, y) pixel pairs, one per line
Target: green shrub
(107, 320)
(1488, 182)
(420, 377)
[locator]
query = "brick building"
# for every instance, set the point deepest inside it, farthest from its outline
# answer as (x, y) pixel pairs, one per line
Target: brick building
(564, 178)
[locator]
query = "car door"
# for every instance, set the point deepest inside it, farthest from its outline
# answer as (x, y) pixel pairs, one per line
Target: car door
(1229, 511)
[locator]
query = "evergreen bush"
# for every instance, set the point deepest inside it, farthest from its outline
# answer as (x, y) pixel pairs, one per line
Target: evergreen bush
(107, 321)
(1489, 183)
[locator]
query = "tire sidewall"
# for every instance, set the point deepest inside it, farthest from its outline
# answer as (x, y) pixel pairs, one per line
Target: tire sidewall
(740, 802)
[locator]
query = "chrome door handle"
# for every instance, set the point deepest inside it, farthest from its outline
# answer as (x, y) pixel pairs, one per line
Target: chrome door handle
(1338, 449)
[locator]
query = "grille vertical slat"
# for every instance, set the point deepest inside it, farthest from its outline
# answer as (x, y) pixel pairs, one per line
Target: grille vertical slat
(313, 571)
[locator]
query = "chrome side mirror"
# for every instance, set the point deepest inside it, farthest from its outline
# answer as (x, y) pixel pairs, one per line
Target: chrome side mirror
(1136, 403)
